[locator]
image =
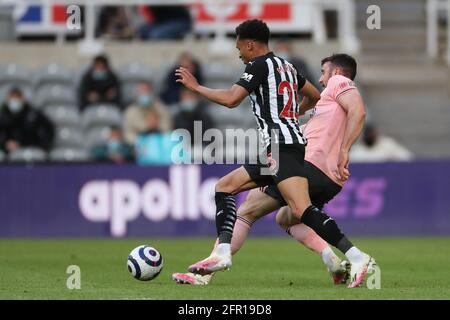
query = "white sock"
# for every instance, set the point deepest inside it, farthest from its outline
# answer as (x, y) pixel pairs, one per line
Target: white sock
(354, 255)
(223, 249)
(329, 258)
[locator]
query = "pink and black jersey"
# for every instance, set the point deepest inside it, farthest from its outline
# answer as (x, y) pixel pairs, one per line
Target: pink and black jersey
(325, 130)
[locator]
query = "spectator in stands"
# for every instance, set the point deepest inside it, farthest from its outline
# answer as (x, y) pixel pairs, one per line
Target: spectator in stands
(23, 126)
(99, 84)
(165, 22)
(115, 150)
(378, 148)
(115, 23)
(135, 118)
(283, 49)
(153, 146)
(190, 110)
(171, 90)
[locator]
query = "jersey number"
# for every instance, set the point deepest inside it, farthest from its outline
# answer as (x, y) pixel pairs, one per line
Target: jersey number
(292, 90)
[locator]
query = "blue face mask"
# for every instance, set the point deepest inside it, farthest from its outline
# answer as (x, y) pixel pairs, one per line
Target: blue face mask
(114, 146)
(188, 105)
(99, 74)
(145, 100)
(15, 105)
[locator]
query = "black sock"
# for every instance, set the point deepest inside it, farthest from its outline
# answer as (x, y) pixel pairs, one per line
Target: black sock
(326, 228)
(225, 216)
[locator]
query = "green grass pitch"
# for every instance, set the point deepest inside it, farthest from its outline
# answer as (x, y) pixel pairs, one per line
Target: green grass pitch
(265, 268)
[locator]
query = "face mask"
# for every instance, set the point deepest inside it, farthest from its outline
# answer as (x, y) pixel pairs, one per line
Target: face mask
(114, 146)
(145, 100)
(99, 75)
(188, 105)
(15, 105)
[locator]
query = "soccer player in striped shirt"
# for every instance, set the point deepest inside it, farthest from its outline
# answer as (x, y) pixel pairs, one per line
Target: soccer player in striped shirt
(273, 85)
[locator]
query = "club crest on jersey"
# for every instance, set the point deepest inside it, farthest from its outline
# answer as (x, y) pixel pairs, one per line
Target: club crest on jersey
(247, 77)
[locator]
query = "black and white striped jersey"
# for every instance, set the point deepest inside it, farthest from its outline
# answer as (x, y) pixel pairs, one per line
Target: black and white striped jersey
(273, 85)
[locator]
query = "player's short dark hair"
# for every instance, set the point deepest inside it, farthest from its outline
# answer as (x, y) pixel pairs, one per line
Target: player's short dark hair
(344, 61)
(253, 30)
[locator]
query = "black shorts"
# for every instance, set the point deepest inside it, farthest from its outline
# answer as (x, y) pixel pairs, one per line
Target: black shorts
(321, 188)
(290, 164)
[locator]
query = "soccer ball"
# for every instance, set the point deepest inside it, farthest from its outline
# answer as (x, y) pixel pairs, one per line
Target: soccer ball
(145, 263)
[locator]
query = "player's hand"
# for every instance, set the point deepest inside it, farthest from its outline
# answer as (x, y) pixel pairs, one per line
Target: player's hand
(186, 78)
(343, 173)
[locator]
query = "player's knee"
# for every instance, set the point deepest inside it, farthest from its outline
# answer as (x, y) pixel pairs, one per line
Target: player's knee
(224, 185)
(282, 219)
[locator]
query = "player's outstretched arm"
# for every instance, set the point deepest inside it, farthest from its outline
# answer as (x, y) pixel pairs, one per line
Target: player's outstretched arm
(229, 98)
(310, 97)
(353, 104)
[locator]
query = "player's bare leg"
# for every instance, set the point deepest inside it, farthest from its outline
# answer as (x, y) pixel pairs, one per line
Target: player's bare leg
(295, 193)
(256, 205)
(226, 189)
(338, 269)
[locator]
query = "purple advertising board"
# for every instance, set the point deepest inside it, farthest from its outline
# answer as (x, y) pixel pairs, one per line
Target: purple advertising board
(88, 200)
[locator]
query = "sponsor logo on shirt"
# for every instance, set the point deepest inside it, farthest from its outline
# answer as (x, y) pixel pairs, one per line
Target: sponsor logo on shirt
(347, 84)
(247, 77)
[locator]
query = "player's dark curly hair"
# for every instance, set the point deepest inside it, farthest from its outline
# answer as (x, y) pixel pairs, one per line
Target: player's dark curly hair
(344, 61)
(253, 30)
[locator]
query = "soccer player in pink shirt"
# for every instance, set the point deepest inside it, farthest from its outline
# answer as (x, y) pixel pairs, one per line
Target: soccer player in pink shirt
(336, 124)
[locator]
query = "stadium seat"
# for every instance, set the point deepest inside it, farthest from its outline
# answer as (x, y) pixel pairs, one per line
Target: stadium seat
(101, 115)
(63, 115)
(15, 74)
(136, 72)
(53, 74)
(96, 136)
(29, 154)
(218, 72)
(55, 94)
(68, 137)
(2, 156)
(68, 155)
(240, 117)
(129, 92)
